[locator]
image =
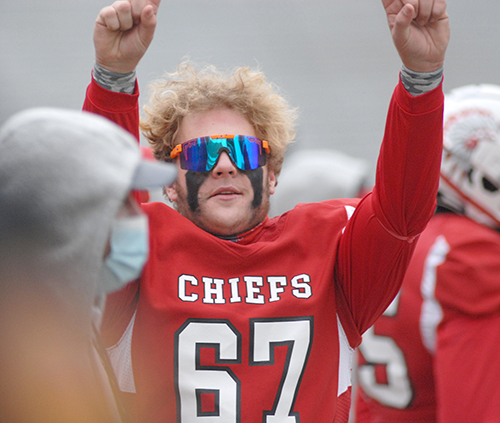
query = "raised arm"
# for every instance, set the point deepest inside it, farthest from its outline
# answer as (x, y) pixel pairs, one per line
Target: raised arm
(381, 234)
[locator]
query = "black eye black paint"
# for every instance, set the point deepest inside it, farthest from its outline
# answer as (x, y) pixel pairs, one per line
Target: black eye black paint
(194, 180)
(256, 178)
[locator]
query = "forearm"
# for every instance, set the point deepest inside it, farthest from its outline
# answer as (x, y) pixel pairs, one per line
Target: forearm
(402, 202)
(115, 104)
(409, 162)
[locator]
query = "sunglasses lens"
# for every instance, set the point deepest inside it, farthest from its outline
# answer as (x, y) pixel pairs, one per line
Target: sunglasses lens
(194, 155)
(201, 154)
(250, 153)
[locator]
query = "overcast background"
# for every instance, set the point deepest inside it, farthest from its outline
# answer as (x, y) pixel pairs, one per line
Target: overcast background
(333, 59)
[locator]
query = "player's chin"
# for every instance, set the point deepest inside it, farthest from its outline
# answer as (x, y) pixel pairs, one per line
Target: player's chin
(227, 221)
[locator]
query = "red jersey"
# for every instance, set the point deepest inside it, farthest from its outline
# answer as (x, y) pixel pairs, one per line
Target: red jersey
(433, 355)
(263, 329)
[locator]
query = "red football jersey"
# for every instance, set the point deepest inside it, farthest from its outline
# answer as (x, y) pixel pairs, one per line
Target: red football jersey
(263, 329)
(432, 356)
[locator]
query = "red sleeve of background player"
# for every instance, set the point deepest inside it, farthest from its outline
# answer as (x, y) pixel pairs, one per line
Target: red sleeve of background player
(378, 241)
(120, 108)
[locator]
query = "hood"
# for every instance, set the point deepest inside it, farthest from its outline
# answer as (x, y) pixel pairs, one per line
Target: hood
(63, 177)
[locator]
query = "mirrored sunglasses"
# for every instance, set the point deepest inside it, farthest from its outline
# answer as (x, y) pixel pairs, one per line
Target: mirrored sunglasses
(201, 154)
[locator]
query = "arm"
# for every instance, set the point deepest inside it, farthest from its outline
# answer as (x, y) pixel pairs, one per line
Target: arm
(121, 108)
(379, 239)
(122, 35)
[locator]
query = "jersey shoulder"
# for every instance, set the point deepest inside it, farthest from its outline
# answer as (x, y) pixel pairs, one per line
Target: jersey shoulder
(467, 279)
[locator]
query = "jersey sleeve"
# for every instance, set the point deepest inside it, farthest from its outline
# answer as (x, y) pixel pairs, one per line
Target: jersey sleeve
(378, 240)
(120, 108)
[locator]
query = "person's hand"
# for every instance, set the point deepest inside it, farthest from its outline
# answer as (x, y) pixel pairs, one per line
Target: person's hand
(123, 32)
(420, 31)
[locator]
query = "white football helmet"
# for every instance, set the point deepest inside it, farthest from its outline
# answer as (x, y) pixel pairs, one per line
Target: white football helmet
(470, 168)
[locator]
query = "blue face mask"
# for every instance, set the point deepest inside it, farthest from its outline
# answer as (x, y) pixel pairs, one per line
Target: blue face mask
(129, 250)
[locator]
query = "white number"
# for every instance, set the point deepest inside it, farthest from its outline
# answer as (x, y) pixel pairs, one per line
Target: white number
(297, 334)
(376, 349)
(194, 379)
(432, 313)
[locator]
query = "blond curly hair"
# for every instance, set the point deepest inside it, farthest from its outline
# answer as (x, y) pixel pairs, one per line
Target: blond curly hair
(244, 90)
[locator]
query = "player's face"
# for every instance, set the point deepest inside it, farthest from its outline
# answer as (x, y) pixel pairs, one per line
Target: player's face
(224, 201)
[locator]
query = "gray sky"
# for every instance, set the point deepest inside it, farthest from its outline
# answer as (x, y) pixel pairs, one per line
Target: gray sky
(334, 60)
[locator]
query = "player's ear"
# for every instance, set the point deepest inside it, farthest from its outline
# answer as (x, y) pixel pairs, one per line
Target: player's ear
(272, 182)
(171, 192)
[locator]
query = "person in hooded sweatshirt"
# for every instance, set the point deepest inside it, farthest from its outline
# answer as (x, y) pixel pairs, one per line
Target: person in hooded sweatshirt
(71, 231)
